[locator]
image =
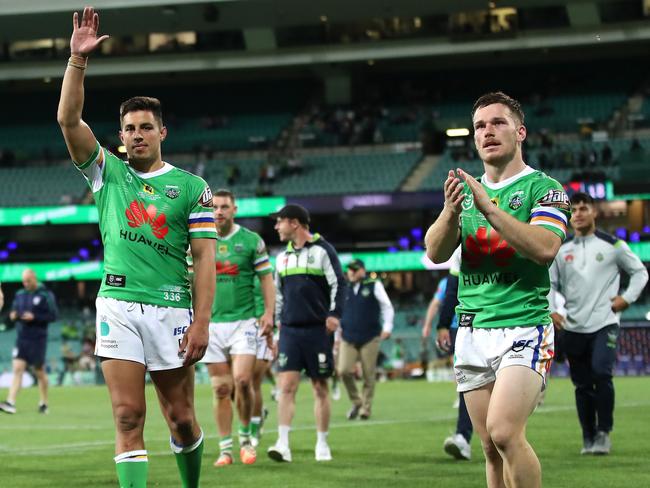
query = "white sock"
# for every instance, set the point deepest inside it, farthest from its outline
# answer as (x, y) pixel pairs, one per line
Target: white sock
(283, 434)
(321, 437)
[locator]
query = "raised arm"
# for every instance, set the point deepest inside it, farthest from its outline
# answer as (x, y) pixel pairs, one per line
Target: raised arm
(78, 137)
(442, 237)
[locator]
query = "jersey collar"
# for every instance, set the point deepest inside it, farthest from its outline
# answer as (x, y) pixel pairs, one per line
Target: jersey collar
(233, 231)
(502, 184)
(166, 168)
(314, 237)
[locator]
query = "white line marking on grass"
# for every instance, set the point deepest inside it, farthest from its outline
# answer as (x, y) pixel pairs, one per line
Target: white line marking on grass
(101, 444)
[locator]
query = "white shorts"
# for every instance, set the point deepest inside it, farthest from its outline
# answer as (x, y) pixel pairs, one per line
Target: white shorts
(482, 353)
(264, 352)
(147, 334)
(231, 338)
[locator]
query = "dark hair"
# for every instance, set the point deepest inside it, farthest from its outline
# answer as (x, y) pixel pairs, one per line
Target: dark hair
(222, 192)
(502, 98)
(148, 104)
(580, 197)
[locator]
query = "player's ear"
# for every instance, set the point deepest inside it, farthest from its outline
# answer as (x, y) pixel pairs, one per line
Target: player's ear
(521, 133)
(163, 133)
(121, 134)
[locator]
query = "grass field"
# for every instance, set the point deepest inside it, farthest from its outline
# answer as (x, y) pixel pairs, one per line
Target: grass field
(399, 447)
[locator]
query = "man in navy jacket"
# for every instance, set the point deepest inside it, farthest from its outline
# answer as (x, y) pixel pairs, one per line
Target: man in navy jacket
(33, 309)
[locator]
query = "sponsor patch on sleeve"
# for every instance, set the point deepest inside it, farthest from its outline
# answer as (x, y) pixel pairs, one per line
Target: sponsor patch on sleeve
(555, 198)
(206, 198)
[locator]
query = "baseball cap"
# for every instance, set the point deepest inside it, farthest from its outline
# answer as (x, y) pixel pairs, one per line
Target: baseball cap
(292, 211)
(356, 264)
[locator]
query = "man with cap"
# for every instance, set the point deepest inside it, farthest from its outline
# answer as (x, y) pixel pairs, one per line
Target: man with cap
(367, 320)
(309, 302)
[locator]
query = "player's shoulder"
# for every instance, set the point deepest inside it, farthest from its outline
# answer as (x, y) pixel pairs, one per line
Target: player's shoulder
(187, 176)
(104, 155)
(246, 233)
(608, 238)
(538, 177)
(320, 241)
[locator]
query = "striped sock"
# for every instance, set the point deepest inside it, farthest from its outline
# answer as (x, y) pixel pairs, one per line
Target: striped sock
(225, 445)
(132, 468)
(244, 434)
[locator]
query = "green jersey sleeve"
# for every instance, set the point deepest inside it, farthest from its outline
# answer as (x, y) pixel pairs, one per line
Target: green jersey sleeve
(262, 262)
(201, 219)
(551, 208)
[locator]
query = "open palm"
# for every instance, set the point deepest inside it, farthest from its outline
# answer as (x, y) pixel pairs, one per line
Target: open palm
(84, 38)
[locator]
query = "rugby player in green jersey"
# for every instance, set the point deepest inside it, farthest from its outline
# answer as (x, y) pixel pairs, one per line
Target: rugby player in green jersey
(510, 224)
(241, 259)
(149, 213)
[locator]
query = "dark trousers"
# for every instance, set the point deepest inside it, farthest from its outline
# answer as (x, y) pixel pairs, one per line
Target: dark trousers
(591, 362)
(464, 423)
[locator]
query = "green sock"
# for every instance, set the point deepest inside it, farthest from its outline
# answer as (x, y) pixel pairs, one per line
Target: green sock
(188, 459)
(256, 423)
(132, 468)
(244, 434)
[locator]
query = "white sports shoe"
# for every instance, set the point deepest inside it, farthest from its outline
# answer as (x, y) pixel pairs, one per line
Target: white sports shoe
(336, 393)
(456, 446)
(323, 452)
(279, 453)
(255, 441)
(602, 444)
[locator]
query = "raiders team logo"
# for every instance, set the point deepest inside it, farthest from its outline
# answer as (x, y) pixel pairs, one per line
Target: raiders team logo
(365, 293)
(599, 257)
(282, 360)
(206, 198)
(172, 192)
(516, 200)
(239, 247)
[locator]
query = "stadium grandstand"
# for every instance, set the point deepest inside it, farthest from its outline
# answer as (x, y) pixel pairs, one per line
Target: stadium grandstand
(356, 111)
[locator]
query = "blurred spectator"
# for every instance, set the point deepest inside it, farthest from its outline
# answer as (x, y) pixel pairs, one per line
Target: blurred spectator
(33, 309)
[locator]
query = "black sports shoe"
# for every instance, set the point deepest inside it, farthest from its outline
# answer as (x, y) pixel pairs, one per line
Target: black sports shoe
(42, 408)
(353, 413)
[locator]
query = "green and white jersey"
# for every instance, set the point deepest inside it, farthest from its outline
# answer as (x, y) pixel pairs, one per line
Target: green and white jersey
(240, 256)
(498, 287)
(146, 222)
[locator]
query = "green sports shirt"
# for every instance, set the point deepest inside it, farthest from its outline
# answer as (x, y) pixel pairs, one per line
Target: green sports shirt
(241, 257)
(146, 222)
(498, 287)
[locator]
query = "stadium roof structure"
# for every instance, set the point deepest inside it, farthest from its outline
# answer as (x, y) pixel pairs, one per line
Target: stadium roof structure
(259, 21)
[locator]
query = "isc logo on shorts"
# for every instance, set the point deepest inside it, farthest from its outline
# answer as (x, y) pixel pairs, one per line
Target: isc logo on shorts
(180, 330)
(518, 346)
